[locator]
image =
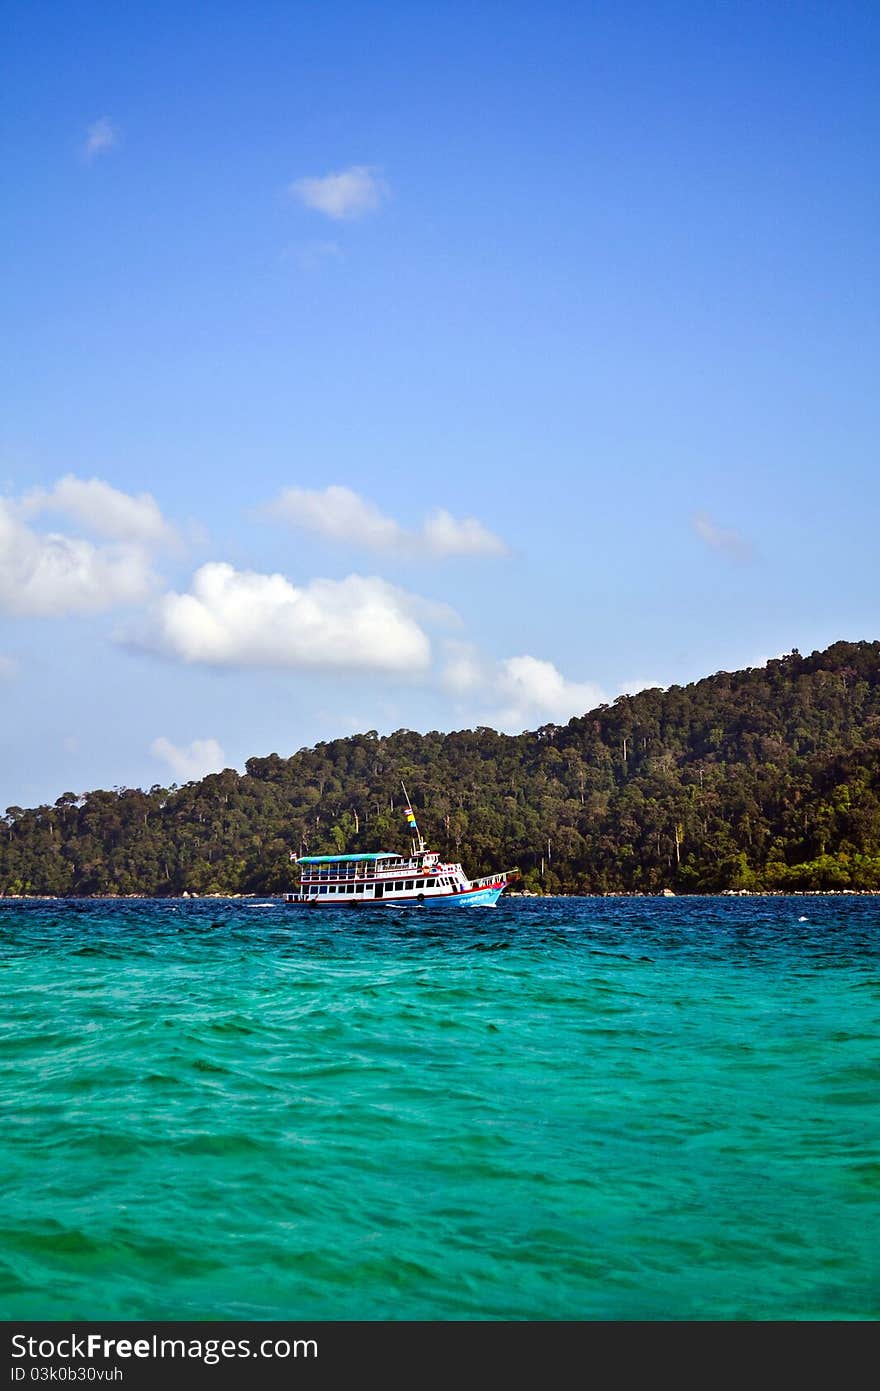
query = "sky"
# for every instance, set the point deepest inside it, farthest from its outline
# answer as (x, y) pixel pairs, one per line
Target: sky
(424, 365)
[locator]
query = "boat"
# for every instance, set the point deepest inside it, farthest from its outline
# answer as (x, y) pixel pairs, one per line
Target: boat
(384, 876)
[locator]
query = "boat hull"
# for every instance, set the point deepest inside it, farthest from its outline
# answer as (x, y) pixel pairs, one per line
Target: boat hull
(482, 896)
(475, 898)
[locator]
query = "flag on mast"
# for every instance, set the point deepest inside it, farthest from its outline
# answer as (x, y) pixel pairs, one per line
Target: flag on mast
(411, 821)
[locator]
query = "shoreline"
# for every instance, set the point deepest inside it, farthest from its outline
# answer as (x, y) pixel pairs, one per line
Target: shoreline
(188, 897)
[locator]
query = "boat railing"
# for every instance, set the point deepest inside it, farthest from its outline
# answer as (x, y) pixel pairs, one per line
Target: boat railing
(351, 873)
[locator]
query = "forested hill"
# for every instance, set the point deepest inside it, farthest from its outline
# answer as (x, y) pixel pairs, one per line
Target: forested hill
(764, 778)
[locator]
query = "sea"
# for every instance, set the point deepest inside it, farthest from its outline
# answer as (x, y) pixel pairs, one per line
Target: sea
(555, 1109)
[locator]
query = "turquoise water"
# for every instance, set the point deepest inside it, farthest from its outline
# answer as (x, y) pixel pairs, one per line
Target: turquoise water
(570, 1109)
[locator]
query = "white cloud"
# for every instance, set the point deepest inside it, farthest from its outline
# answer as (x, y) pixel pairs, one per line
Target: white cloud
(342, 515)
(103, 510)
(101, 137)
(524, 690)
(199, 758)
(49, 575)
(448, 535)
(728, 542)
(534, 689)
(338, 514)
(345, 195)
(233, 618)
(9, 668)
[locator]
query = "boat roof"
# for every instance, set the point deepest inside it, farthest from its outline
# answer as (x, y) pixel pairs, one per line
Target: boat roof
(340, 859)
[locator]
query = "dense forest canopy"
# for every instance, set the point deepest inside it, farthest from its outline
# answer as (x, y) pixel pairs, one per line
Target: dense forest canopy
(767, 778)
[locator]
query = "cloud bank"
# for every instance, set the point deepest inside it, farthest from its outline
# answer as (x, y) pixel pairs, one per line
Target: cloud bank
(233, 618)
(517, 692)
(341, 515)
(50, 575)
(53, 574)
(103, 510)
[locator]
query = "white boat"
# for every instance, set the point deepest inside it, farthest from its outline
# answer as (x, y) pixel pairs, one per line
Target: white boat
(383, 876)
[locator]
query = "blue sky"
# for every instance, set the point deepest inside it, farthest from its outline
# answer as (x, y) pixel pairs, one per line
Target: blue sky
(424, 365)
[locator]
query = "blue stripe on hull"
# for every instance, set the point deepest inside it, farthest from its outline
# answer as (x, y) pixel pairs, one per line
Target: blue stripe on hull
(473, 898)
(479, 898)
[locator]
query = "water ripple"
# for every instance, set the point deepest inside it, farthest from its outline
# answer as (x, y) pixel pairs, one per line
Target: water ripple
(606, 1108)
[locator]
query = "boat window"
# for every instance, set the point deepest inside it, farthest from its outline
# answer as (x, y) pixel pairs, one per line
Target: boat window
(399, 885)
(431, 883)
(358, 888)
(323, 889)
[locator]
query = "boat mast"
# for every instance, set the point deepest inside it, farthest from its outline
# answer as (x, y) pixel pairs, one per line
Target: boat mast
(412, 823)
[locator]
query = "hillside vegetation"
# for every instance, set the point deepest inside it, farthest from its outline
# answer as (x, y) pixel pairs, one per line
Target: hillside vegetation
(767, 778)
